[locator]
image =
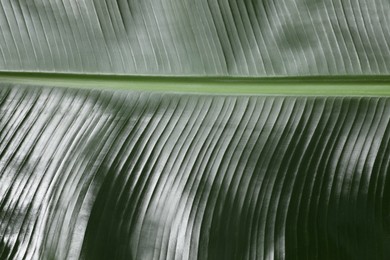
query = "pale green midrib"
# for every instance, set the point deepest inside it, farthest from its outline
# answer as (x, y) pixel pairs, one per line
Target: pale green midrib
(307, 85)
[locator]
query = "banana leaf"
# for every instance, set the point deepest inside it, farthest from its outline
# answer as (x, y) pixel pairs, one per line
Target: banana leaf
(203, 129)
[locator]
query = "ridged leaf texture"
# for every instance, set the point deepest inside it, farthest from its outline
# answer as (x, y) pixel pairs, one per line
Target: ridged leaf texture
(196, 37)
(95, 174)
(194, 129)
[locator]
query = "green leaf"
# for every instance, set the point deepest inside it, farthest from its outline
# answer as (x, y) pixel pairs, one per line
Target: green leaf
(202, 37)
(181, 129)
(100, 174)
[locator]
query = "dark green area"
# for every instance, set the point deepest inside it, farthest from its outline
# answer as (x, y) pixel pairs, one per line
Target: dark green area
(95, 174)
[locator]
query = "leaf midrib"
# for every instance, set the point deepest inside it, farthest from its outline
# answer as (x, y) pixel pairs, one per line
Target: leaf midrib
(303, 85)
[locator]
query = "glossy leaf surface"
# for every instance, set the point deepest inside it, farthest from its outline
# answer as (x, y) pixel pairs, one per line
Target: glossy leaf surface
(188, 129)
(143, 175)
(196, 37)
